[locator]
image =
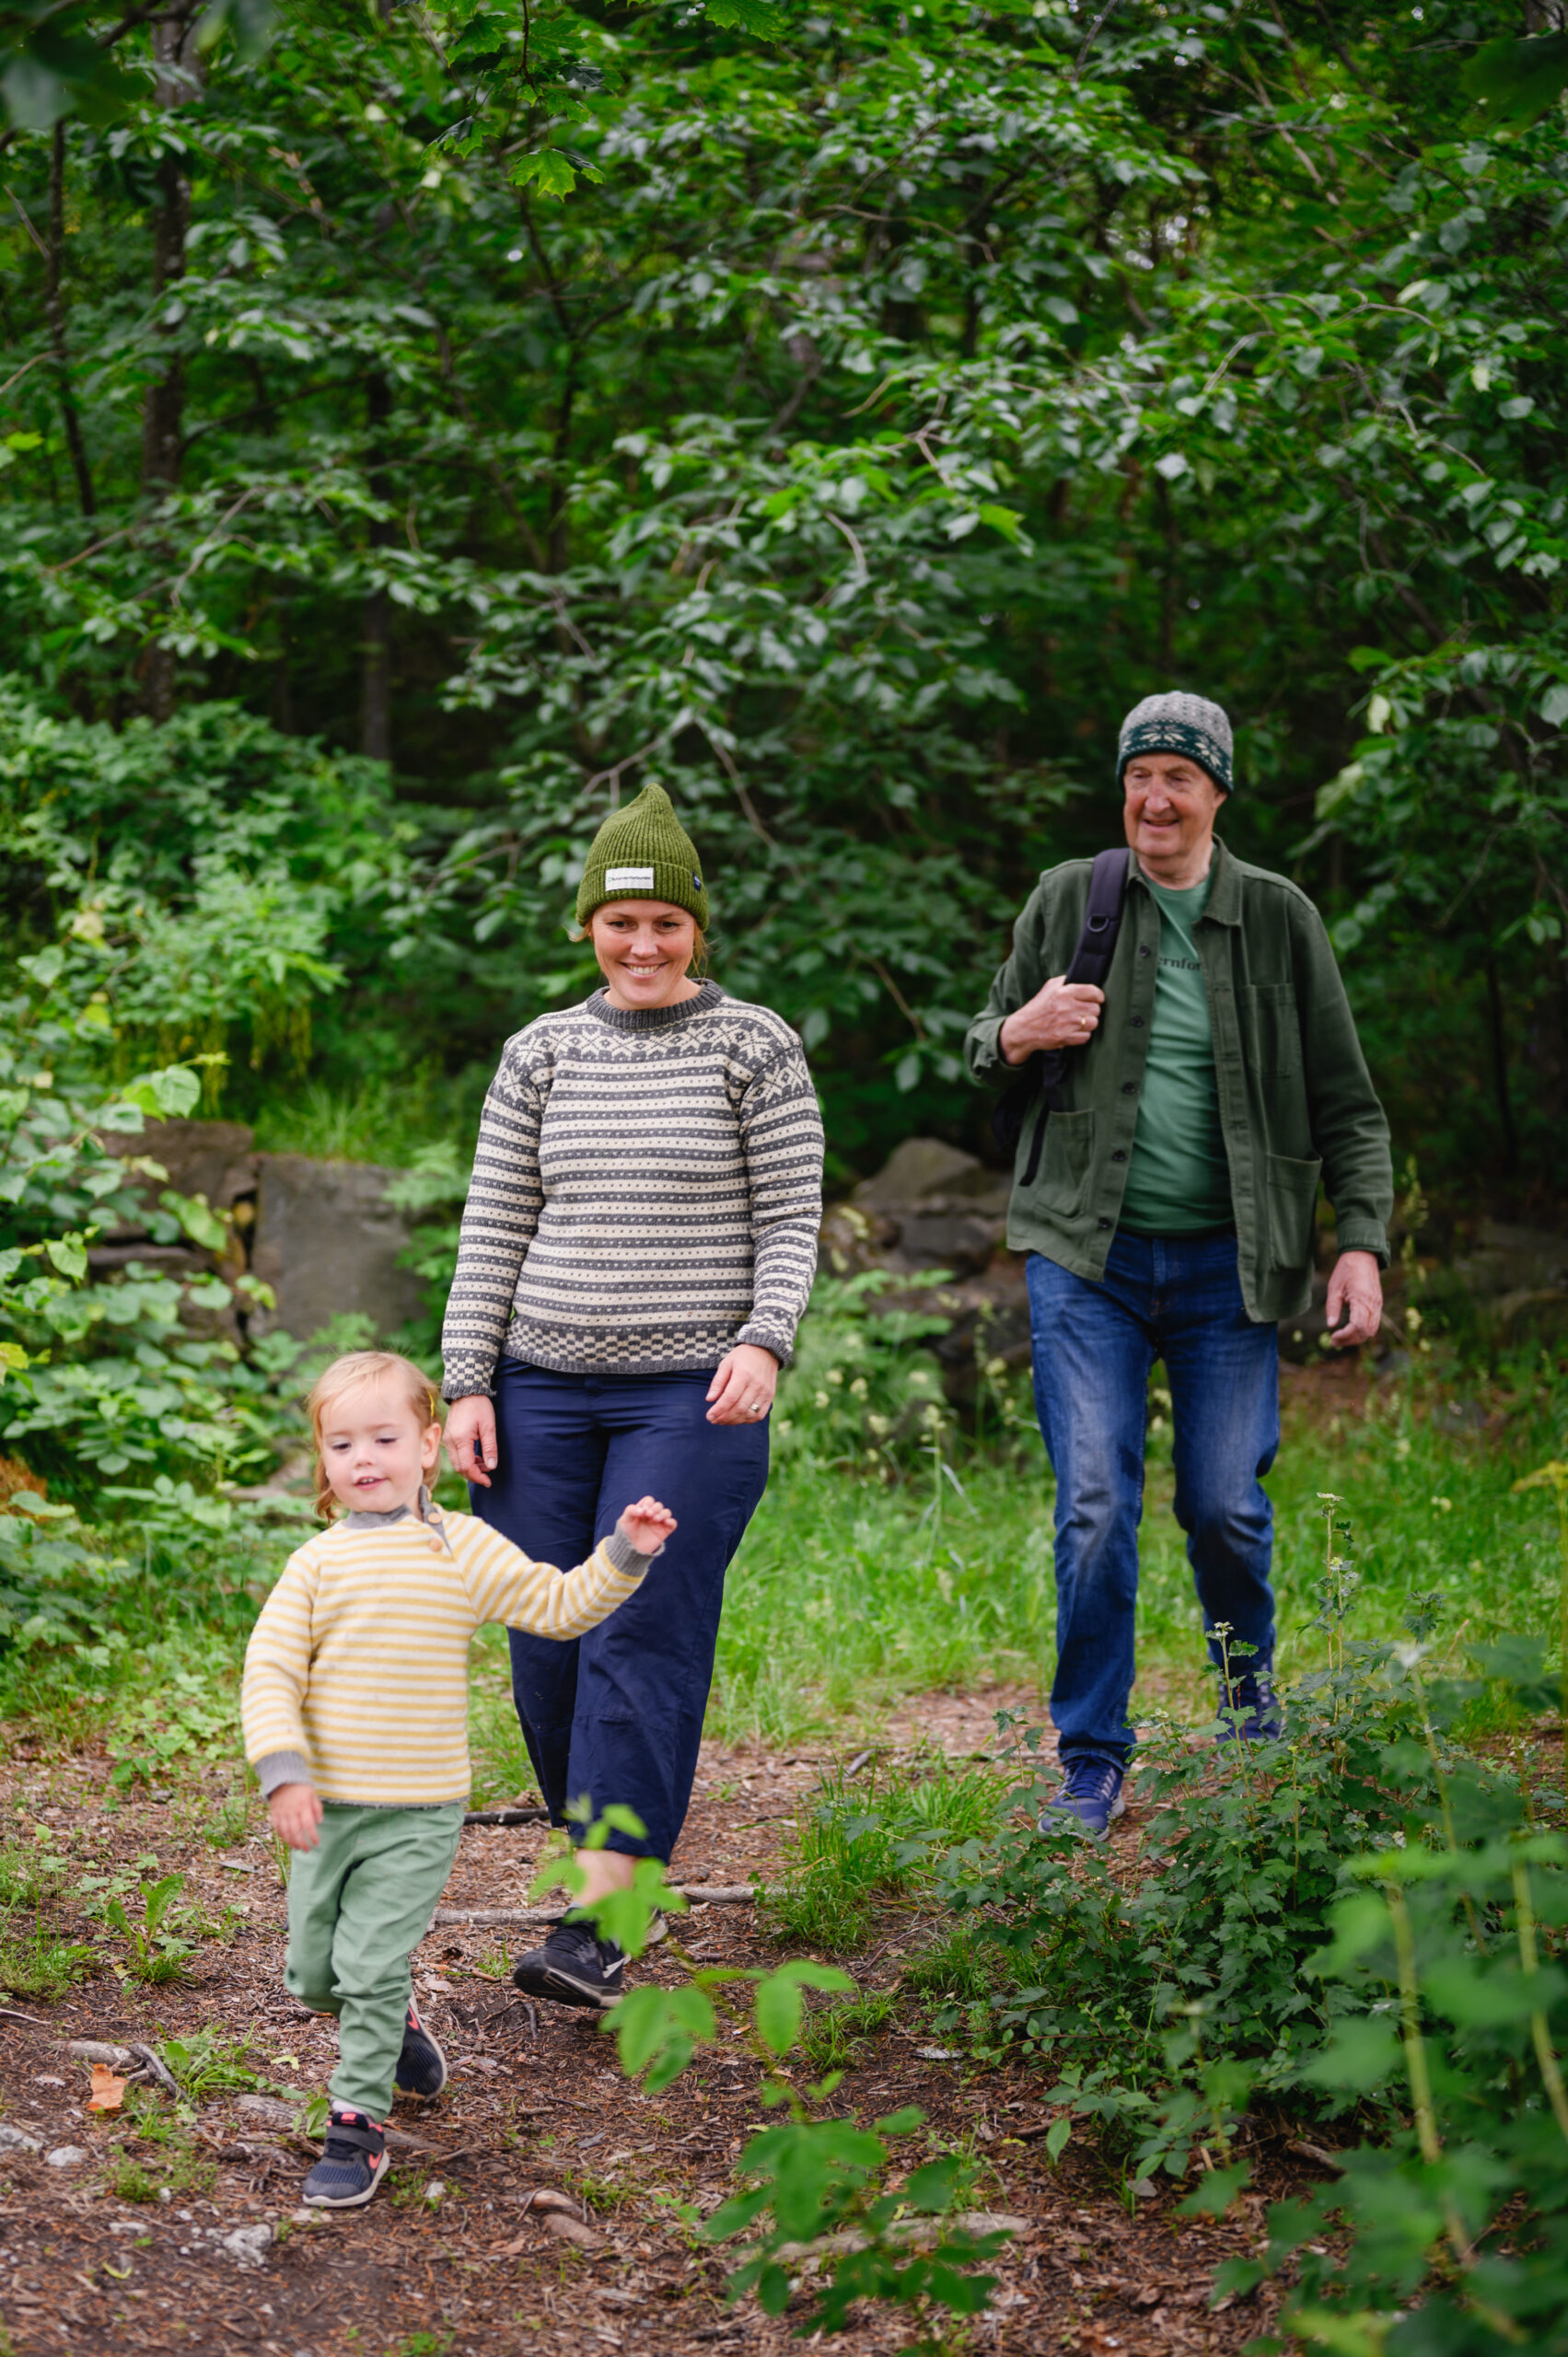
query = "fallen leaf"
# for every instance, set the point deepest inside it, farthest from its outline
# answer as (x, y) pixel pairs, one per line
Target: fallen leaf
(109, 2089)
(545, 2197)
(572, 2230)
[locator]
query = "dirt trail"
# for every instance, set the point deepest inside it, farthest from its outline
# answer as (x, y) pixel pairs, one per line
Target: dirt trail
(536, 2100)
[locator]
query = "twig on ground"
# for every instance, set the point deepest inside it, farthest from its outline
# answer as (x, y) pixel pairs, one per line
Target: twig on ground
(159, 2070)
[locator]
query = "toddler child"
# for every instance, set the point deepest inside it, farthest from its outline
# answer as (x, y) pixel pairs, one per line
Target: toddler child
(355, 1714)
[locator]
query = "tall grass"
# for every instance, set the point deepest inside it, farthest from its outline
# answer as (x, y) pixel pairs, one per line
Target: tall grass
(846, 1596)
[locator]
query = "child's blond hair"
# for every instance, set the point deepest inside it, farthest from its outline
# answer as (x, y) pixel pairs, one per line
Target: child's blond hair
(353, 1372)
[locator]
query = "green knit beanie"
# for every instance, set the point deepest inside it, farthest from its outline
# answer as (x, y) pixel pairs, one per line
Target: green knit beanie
(644, 854)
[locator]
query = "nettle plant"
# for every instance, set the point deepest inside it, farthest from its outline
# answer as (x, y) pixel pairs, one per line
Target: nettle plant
(814, 2187)
(1365, 1919)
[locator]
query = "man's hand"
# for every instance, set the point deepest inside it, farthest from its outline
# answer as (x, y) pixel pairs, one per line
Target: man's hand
(1061, 1014)
(296, 1812)
(646, 1526)
(473, 1423)
(743, 1385)
(1355, 1293)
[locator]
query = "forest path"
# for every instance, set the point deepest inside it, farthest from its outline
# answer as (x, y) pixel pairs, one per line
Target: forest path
(535, 2100)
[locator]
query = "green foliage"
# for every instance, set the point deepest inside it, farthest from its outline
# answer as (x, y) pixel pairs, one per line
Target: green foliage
(846, 416)
(36, 1962)
(1162, 2008)
(814, 2184)
(157, 1954)
(859, 1847)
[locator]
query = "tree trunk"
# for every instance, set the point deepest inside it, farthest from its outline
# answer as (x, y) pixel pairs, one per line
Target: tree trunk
(375, 678)
(1499, 1066)
(164, 409)
(55, 309)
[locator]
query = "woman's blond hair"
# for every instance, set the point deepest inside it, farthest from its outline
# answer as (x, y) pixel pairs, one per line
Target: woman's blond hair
(354, 1373)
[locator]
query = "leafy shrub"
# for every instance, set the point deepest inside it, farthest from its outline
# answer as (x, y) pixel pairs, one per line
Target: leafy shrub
(813, 2186)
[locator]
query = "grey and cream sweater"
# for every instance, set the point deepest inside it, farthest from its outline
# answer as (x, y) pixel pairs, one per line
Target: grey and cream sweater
(647, 1193)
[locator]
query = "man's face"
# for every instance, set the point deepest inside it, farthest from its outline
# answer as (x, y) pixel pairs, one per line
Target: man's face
(1169, 809)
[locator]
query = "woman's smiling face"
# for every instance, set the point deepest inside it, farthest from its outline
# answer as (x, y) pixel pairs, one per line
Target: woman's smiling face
(375, 1451)
(643, 949)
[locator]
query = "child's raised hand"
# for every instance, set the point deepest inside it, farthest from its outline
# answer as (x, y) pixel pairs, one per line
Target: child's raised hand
(646, 1526)
(296, 1812)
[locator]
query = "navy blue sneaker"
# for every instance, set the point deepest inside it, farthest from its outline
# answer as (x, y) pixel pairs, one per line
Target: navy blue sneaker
(574, 1967)
(1252, 1709)
(422, 2066)
(352, 2163)
(1089, 1798)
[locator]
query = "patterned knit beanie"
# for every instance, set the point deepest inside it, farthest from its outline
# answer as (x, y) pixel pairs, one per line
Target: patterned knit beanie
(644, 854)
(1178, 724)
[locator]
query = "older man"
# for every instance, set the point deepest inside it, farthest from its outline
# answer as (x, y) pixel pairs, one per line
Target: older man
(1171, 1217)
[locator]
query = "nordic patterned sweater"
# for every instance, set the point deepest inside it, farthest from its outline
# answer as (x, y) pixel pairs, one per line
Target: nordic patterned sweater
(647, 1193)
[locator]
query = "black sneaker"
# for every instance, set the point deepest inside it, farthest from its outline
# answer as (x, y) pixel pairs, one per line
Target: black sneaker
(352, 2163)
(422, 2066)
(574, 1967)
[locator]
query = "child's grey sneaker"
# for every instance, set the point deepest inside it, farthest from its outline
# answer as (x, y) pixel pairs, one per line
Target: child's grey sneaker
(352, 2163)
(1089, 1798)
(421, 2067)
(574, 1967)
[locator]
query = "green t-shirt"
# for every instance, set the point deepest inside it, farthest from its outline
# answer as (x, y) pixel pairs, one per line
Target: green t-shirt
(1178, 1178)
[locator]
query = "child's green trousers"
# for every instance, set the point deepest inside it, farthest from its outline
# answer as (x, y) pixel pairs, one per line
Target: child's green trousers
(358, 1905)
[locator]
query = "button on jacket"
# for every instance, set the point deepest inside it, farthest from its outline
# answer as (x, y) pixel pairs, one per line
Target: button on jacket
(1296, 1102)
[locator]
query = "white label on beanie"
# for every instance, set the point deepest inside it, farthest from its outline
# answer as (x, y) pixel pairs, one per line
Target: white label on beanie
(628, 879)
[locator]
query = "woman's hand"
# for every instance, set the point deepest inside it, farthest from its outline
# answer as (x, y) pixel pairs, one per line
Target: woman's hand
(1061, 1014)
(743, 1386)
(646, 1526)
(470, 1439)
(295, 1813)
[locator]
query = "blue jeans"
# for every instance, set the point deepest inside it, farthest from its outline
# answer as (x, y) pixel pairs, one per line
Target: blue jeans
(1176, 1298)
(617, 1716)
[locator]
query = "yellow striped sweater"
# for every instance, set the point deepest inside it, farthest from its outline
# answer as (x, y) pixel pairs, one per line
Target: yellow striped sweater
(356, 1672)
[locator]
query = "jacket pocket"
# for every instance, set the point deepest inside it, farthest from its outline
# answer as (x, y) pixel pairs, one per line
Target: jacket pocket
(1066, 1163)
(1292, 1204)
(1270, 1027)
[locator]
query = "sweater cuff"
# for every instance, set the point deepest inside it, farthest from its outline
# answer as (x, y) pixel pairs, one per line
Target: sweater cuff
(770, 1334)
(465, 1378)
(624, 1557)
(275, 1767)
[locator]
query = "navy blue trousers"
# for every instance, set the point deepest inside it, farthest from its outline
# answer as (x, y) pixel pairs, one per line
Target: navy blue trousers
(617, 1716)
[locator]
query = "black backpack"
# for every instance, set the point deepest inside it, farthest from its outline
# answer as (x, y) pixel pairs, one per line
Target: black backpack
(1040, 1074)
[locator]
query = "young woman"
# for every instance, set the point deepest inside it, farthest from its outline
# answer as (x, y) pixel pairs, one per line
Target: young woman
(637, 1247)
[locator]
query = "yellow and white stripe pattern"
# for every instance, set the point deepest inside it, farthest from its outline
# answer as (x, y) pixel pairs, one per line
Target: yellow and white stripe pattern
(359, 1660)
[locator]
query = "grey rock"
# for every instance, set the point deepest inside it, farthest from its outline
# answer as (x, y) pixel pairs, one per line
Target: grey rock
(247, 2246)
(12, 2139)
(918, 1167)
(1513, 1259)
(327, 1242)
(67, 2156)
(961, 1241)
(213, 1158)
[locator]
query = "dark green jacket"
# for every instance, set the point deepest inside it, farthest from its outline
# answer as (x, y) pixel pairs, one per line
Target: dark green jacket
(1296, 1102)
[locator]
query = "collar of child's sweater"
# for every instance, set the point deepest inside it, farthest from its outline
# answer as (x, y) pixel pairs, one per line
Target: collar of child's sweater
(357, 1519)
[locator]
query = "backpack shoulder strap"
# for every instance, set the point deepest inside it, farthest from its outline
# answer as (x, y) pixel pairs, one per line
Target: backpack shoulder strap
(1102, 918)
(1090, 963)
